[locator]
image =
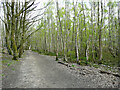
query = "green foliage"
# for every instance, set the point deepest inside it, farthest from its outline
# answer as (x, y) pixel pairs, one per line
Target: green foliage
(108, 59)
(109, 3)
(95, 65)
(34, 50)
(50, 53)
(71, 54)
(82, 62)
(2, 75)
(73, 65)
(87, 31)
(80, 6)
(46, 53)
(13, 69)
(105, 10)
(5, 61)
(9, 64)
(83, 58)
(62, 12)
(72, 60)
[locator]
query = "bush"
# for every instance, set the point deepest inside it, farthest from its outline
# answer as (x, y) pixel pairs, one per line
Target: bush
(50, 53)
(108, 59)
(82, 62)
(73, 60)
(71, 54)
(83, 58)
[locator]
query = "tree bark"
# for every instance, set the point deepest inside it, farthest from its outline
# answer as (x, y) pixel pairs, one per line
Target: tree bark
(93, 55)
(85, 29)
(15, 52)
(119, 34)
(100, 31)
(57, 30)
(7, 28)
(21, 50)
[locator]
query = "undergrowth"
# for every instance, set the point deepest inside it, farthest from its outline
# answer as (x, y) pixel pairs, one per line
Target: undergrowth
(107, 61)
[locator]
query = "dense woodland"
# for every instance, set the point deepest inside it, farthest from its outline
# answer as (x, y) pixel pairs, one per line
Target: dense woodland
(77, 31)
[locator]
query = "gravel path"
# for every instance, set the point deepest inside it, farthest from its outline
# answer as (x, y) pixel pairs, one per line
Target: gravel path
(41, 71)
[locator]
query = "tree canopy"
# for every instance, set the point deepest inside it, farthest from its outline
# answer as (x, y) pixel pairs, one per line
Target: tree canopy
(75, 31)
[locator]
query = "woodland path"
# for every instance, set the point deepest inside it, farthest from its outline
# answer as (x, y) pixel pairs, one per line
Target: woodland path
(41, 71)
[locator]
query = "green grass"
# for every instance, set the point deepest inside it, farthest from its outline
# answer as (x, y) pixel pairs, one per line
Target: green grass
(45, 53)
(50, 53)
(5, 61)
(2, 74)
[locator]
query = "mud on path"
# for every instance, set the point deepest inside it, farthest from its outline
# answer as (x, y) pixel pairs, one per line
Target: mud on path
(41, 71)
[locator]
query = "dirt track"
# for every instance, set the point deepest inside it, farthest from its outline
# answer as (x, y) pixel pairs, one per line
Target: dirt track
(41, 71)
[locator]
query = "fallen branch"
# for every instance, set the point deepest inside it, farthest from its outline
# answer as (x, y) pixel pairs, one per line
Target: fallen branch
(100, 71)
(105, 72)
(63, 63)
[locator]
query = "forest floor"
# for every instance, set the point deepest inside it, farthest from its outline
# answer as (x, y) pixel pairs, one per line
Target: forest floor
(42, 71)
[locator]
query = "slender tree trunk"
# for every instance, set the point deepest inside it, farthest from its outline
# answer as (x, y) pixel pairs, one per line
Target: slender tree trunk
(76, 34)
(2, 36)
(7, 28)
(109, 19)
(68, 47)
(100, 32)
(80, 36)
(48, 19)
(65, 35)
(81, 40)
(21, 50)
(85, 29)
(15, 52)
(119, 33)
(95, 31)
(99, 29)
(87, 50)
(93, 56)
(57, 30)
(76, 42)
(60, 26)
(73, 31)
(104, 28)
(45, 37)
